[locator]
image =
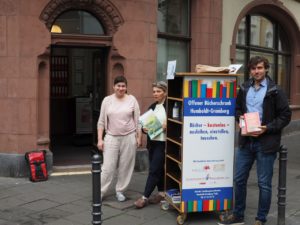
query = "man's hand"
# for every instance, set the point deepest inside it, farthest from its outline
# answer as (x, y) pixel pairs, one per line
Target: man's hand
(258, 133)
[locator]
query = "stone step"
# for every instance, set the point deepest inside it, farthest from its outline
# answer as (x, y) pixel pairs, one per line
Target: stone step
(71, 170)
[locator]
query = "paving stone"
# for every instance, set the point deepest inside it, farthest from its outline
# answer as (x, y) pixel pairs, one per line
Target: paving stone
(151, 212)
(40, 205)
(24, 220)
(31, 196)
(9, 214)
(114, 203)
(10, 202)
(63, 222)
(50, 215)
(64, 197)
(108, 212)
(84, 204)
(82, 218)
(123, 219)
(72, 208)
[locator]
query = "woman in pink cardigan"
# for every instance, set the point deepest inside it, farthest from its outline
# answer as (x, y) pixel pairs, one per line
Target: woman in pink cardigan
(119, 119)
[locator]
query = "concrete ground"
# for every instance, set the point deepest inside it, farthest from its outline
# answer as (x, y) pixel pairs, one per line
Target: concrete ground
(66, 200)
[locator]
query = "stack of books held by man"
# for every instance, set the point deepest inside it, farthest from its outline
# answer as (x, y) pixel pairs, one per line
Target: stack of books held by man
(173, 195)
(250, 123)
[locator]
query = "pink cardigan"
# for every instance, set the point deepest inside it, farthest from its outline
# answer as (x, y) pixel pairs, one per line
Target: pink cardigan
(103, 118)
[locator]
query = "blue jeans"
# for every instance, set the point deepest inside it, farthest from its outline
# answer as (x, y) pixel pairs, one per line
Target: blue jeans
(245, 158)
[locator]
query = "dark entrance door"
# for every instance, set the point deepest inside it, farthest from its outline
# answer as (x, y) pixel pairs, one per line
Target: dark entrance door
(77, 89)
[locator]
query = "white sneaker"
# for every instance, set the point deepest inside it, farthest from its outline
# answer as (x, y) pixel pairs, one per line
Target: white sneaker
(120, 197)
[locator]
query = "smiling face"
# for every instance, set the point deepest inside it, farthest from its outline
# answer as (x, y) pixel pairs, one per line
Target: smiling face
(120, 89)
(159, 94)
(258, 72)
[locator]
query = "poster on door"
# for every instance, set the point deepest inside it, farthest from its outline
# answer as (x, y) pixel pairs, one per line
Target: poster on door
(208, 142)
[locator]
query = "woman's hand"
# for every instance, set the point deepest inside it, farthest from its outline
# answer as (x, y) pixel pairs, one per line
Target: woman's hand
(164, 126)
(100, 144)
(138, 142)
(145, 130)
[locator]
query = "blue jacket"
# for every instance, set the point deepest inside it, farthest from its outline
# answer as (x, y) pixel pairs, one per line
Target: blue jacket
(276, 114)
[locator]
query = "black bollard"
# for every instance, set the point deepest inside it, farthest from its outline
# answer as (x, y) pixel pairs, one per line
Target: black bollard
(282, 185)
(97, 202)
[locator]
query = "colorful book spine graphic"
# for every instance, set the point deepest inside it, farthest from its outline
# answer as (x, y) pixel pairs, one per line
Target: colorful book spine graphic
(214, 89)
(190, 88)
(234, 88)
(203, 90)
(199, 88)
(211, 89)
(227, 89)
(209, 92)
(206, 205)
(218, 89)
(186, 89)
(194, 88)
(221, 90)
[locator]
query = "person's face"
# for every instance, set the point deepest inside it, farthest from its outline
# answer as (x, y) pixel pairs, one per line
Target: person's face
(120, 89)
(158, 94)
(258, 72)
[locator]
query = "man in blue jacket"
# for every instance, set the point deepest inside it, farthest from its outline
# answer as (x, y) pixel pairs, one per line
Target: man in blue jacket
(258, 94)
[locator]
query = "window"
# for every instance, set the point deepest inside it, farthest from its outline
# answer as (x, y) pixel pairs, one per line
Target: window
(77, 22)
(173, 35)
(258, 35)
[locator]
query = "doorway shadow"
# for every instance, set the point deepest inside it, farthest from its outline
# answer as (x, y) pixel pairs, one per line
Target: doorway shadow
(72, 150)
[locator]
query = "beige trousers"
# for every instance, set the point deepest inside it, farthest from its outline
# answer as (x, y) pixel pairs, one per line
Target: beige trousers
(118, 155)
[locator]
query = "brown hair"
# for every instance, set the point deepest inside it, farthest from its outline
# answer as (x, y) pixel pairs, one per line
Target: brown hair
(258, 59)
(120, 79)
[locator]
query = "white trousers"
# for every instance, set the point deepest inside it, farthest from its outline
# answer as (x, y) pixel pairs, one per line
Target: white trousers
(119, 154)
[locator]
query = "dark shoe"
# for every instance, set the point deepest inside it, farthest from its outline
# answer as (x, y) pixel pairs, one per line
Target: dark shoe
(258, 222)
(232, 220)
(155, 199)
(141, 203)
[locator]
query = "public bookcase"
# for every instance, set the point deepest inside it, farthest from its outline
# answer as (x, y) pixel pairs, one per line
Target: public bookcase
(200, 143)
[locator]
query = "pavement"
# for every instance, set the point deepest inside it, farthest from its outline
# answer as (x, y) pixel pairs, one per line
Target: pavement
(67, 200)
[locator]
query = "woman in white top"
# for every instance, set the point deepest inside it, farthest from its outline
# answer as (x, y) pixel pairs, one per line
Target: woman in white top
(156, 148)
(119, 119)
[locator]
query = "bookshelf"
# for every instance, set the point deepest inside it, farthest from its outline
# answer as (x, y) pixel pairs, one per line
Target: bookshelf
(59, 76)
(193, 157)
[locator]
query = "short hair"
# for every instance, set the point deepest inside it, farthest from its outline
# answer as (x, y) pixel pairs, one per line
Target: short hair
(258, 59)
(120, 79)
(161, 84)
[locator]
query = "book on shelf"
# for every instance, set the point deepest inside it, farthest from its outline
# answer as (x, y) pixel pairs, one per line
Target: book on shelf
(174, 195)
(250, 123)
(149, 121)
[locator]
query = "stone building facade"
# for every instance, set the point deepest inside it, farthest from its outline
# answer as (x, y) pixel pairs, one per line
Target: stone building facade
(52, 81)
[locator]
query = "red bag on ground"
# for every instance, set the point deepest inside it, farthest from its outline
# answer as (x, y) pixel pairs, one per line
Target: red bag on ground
(37, 165)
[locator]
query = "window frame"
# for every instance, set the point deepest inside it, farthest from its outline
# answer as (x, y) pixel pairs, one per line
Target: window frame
(274, 51)
(81, 17)
(178, 37)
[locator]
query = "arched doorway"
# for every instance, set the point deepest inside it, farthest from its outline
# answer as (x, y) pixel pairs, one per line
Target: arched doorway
(81, 40)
